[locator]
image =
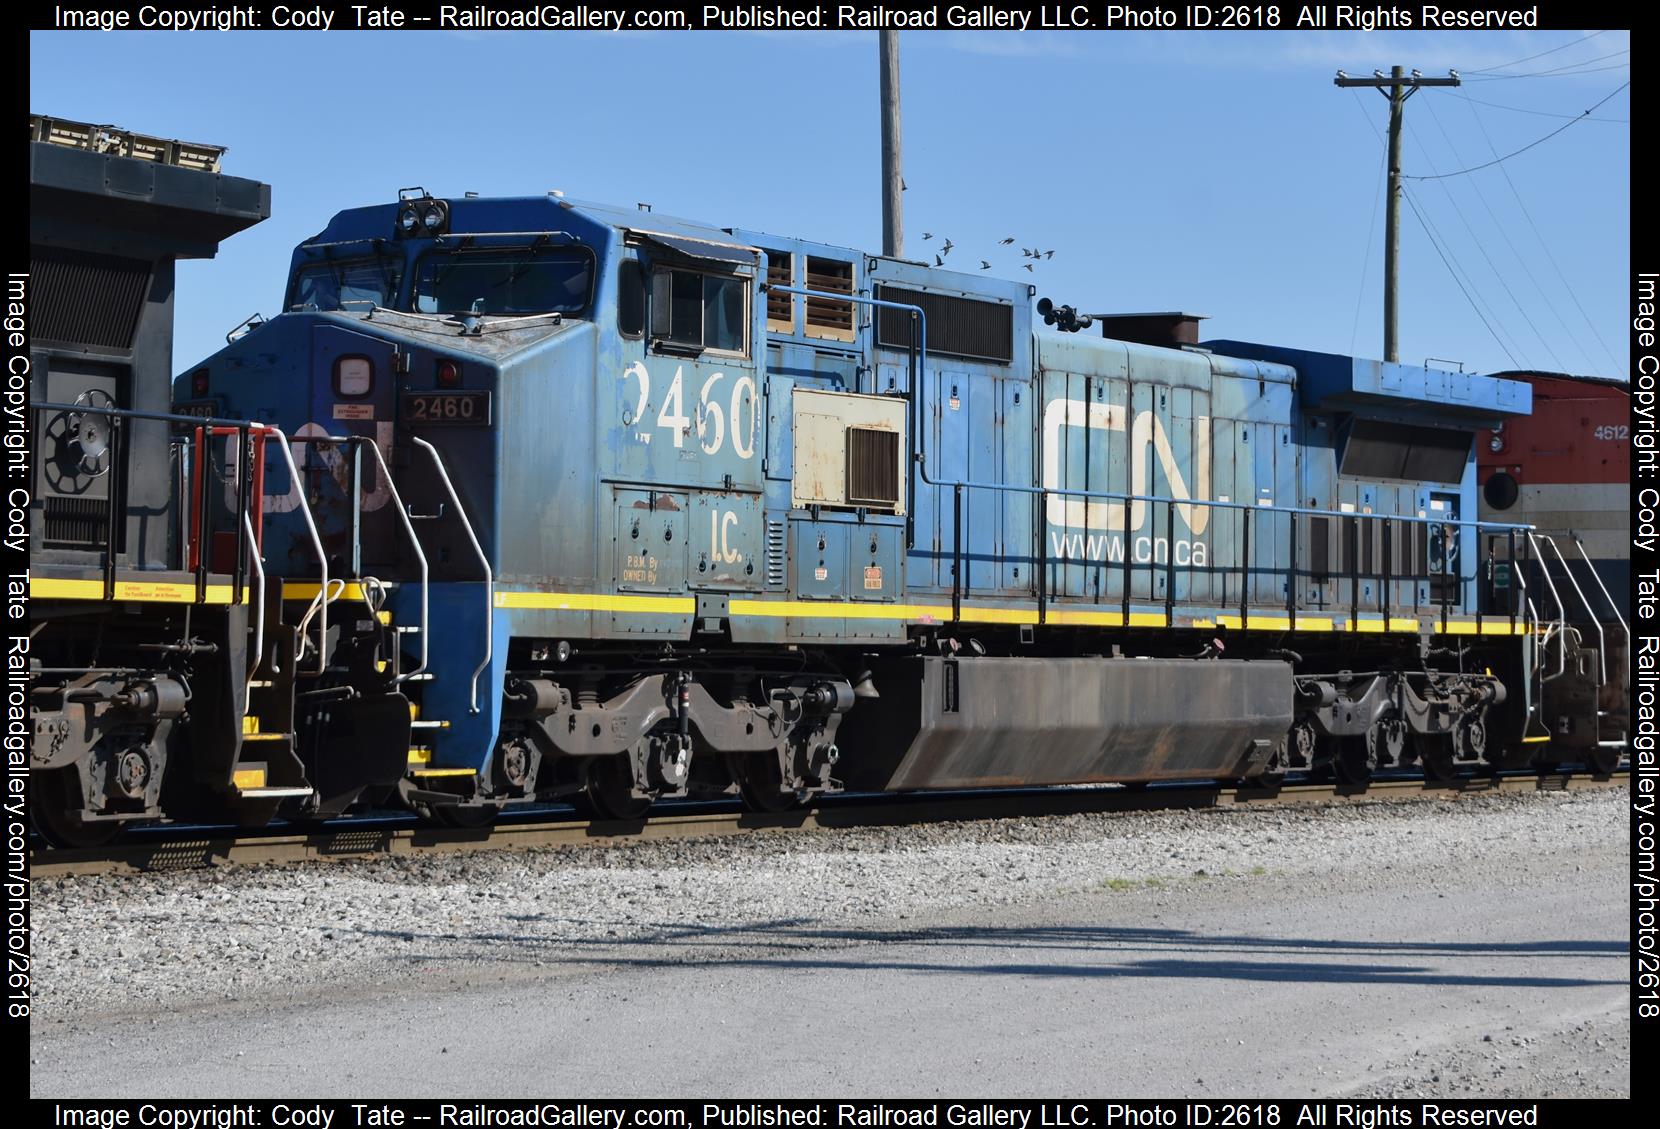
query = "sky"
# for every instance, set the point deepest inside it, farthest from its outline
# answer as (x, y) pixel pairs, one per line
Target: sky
(1219, 173)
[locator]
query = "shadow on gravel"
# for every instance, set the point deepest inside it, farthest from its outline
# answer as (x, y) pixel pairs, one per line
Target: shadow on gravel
(1052, 951)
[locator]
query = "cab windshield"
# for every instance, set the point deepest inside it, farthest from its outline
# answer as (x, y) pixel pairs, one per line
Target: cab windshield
(336, 285)
(504, 281)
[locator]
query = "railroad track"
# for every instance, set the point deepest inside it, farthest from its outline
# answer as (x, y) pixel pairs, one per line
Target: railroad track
(166, 848)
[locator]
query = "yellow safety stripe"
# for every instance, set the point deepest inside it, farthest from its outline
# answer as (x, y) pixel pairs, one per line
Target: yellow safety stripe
(137, 591)
(245, 778)
(583, 602)
(1057, 615)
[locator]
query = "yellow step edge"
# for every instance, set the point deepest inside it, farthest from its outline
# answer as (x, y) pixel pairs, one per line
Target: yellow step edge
(250, 725)
(443, 772)
(246, 737)
(245, 778)
(136, 591)
(307, 590)
(420, 755)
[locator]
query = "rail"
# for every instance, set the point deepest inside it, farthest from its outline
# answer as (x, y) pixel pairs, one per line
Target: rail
(184, 848)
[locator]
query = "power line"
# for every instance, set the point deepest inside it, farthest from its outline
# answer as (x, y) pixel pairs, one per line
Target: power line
(1371, 226)
(1504, 233)
(1413, 204)
(1540, 55)
(1541, 113)
(1523, 149)
(1537, 234)
(1569, 68)
(1480, 246)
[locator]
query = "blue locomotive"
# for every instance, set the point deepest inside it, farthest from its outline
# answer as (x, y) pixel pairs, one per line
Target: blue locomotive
(652, 507)
(551, 499)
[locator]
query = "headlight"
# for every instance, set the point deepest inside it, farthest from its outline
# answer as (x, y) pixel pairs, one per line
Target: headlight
(432, 217)
(409, 221)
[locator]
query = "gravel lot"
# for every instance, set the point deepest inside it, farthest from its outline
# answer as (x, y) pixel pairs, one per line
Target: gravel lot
(194, 947)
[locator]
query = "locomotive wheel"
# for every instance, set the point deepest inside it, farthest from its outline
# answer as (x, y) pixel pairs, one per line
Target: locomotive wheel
(1435, 757)
(1353, 760)
(760, 785)
(49, 811)
(609, 791)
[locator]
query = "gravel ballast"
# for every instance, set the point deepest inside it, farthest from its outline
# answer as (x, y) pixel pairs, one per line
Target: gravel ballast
(119, 945)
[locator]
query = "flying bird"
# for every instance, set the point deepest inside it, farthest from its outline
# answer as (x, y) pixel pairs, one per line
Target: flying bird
(1028, 254)
(927, 235)
(1028, 266)
(1048, 254)
(1005, 242)
(903, 187)
(938, 262)
(984, 265)
(946, 250)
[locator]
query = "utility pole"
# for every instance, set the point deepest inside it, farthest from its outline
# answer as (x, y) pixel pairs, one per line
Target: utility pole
(1397, 87)
(893, 207)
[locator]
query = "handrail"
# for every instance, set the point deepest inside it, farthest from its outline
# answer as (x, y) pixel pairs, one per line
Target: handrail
(489, 574)
(259, 613)
(1561, 613)
(1602, 639)
(403, 516)
(316, 544)
(1613, 607)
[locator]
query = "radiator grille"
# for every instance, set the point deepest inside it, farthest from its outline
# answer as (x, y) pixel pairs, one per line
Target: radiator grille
(75, 523)
(872, 467)
(780, 307)
(87, 299)
(957, 327)
(827, 316)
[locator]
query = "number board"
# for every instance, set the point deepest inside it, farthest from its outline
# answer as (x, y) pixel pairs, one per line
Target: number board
(465, 409)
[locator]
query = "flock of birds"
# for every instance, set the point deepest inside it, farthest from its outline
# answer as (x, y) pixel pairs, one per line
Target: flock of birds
(1032, 253)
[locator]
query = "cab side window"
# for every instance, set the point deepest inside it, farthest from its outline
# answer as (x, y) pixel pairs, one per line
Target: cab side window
(697, 311)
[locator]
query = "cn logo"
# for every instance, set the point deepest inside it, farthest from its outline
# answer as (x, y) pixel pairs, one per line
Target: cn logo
(1147, 438)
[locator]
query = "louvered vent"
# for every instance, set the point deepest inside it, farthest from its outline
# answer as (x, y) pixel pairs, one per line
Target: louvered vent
(87, 299)
(827, 317)
(775, 554)
(957, 327)
(780, 307)
(872, 467)
(75, 523)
